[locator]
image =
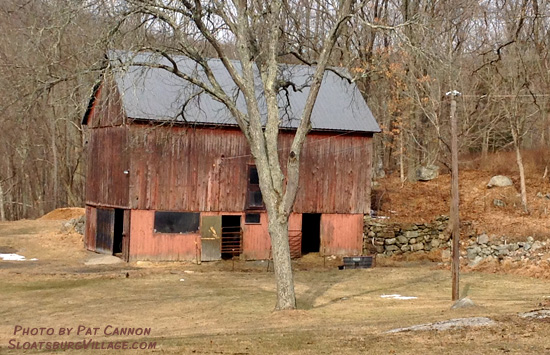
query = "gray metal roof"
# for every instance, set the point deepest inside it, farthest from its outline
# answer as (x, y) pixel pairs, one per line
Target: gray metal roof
(156, 94)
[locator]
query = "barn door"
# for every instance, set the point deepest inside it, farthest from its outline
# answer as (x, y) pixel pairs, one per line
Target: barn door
(105, 230)
(211, 238)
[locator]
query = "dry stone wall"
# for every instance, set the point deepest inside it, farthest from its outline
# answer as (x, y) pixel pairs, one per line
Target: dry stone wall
(384, 237)
(381, 237)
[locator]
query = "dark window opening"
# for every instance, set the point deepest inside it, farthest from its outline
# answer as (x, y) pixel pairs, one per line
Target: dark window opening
(252, 218)
(311, 232)
(119, 230)
(231, 236)
(253, 178)
(176, 222)
(254, 199)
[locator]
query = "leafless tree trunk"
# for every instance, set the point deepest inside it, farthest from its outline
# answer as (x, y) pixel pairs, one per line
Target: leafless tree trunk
(2, 210)
(519, 161)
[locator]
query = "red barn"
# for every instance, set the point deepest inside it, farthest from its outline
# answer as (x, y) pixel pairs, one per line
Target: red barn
(170, 176)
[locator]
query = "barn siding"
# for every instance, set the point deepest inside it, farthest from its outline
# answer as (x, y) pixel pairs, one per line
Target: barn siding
(341, 234)
(205, 169)
(106, 183)
(107, 107)
(90, 230)
(146, 245)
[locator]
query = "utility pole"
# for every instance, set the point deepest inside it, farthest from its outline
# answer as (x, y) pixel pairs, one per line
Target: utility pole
(454, 218)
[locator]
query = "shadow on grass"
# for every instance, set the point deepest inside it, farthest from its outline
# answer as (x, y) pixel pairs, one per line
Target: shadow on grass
(307, 300)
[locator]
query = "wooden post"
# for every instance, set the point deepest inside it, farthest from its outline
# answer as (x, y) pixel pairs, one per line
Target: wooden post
(454, 218)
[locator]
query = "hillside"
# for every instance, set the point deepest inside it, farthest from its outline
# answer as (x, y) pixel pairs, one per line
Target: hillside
(423, 201)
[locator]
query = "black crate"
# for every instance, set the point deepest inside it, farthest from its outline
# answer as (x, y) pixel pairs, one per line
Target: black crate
(358, 262)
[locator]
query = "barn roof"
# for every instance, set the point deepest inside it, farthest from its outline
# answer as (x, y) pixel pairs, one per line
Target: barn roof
(158, 95)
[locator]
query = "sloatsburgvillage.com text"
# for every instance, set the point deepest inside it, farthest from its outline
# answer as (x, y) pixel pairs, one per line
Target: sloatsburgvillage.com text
(80, 345)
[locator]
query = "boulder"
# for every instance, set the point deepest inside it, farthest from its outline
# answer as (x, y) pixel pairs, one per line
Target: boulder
(427, 173)
(463, 303)
(499, 181)
(483, 239)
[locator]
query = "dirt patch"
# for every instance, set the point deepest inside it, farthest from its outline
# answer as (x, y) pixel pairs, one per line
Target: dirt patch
(64, 213)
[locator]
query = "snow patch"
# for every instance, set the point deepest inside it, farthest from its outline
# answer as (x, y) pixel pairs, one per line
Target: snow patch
(14, 257)
(399, 297)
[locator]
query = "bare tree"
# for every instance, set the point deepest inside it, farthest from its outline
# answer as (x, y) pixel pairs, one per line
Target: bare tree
(256, 33)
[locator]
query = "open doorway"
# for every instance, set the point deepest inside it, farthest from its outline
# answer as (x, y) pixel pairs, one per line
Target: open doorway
(231, 236)
(311, 233)
(118, 232)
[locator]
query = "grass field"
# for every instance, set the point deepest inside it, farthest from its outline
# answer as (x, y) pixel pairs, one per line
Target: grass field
(212, 309)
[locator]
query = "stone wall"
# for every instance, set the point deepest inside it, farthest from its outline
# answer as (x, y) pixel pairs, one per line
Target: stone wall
(381, 237)
(484, 247)
(384, 237)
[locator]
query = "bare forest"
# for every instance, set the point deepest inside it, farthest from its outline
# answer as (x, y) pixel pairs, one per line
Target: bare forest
(404, 55)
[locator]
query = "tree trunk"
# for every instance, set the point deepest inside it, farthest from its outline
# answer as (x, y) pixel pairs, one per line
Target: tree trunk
(401, 156)
(2, 210)
(519, 161)
(485, 145)
(278, 231)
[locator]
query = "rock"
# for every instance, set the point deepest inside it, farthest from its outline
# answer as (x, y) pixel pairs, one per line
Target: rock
(390, 241)
(402, 239)
(412, 241)
(435, 243)
(503, 251)
(473, 252)
(499, 203)
(483, 239)
(499, 181)
(379, 248)
(475, 261)
(392, 248)
(536, 245)
(405, 248)
(411, 234)
(538, 314)
(449, 324)
(463, 303)
(445, 255)
(417, 246)
(530, 239)
(427, 173)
